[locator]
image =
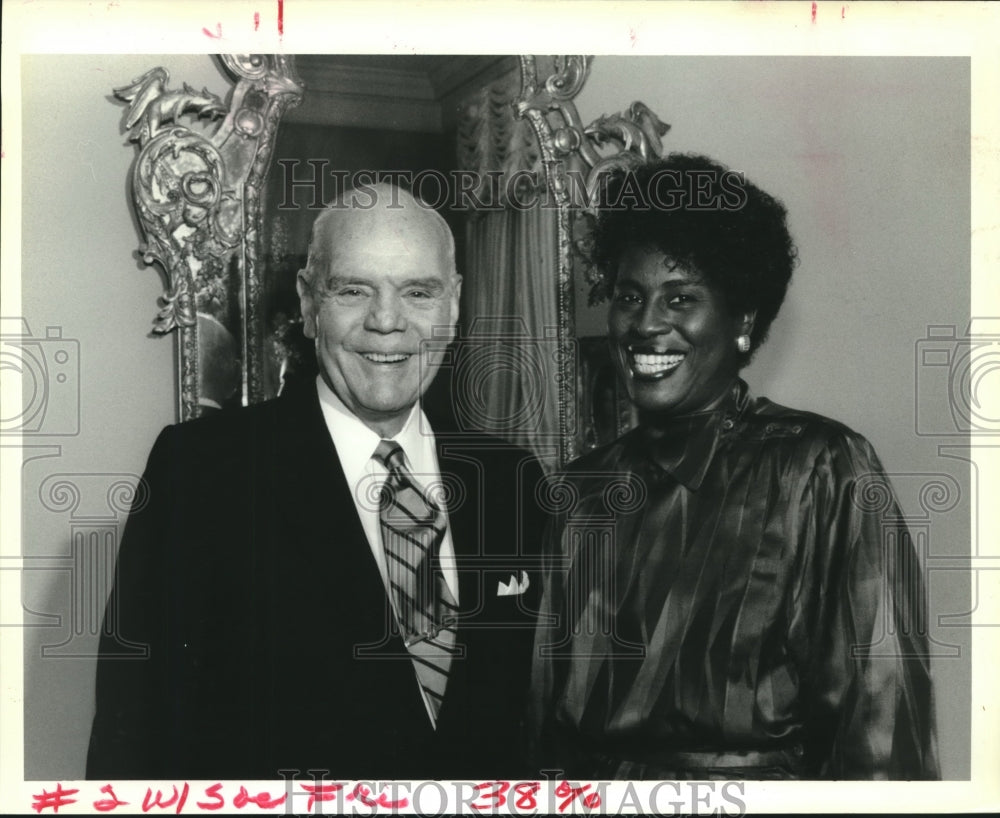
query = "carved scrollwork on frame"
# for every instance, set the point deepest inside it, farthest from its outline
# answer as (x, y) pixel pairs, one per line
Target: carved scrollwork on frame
(197, 199)
(176, 185)
(577, 159)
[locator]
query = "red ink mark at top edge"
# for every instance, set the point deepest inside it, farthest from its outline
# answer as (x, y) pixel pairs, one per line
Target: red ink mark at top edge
(256, 20)
(281, 17)
(843, 9)
(814, 13)
(216, 35)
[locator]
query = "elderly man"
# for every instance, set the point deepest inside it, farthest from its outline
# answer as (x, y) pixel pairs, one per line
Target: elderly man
(327, 581)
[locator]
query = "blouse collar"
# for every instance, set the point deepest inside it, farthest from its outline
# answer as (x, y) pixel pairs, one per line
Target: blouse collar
(688, 442)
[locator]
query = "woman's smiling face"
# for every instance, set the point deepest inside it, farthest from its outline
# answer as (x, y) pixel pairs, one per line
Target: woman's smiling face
(672, 337)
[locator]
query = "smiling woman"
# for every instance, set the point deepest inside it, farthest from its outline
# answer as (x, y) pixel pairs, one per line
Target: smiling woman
(670, 332)
(728, 601)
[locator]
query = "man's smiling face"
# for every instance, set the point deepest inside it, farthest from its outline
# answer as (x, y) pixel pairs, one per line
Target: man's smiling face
(389, 281)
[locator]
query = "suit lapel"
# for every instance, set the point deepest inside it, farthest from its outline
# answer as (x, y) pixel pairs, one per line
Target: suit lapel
(316, 503)
(314, 500)
(458, 465)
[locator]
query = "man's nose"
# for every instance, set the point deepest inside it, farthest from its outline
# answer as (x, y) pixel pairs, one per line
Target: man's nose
(386, 314)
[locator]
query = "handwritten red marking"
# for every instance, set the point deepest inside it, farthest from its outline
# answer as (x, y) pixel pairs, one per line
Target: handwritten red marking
(632, 36)
(321, 792)
(842, 10)
(262, 799)
(212, 792)
(362, 793)
(216, 35)
(281, 17)
(108, 804)
(526, 794)
(564, 790)
(177, 798)
(497, 794)
(814, 13)
(256, 20)
(53, 800)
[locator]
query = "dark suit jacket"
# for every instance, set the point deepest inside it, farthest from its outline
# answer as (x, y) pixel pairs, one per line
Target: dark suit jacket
(248, 576)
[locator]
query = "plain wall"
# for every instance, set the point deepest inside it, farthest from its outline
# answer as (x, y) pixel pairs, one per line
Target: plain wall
(870, 156)
(80, 272)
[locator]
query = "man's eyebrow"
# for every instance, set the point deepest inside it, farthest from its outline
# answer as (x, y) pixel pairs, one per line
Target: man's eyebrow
(434, 283)
(339, 280)
(427, 282)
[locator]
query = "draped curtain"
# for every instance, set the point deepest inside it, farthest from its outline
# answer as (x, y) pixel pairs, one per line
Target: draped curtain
(509, 305)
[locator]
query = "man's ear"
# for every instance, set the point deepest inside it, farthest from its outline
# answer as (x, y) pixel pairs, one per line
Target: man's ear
(307, 305)
(456, 298)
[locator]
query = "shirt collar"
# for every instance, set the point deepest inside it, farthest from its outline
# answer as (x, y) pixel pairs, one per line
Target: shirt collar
(688, 443)
(355, 442)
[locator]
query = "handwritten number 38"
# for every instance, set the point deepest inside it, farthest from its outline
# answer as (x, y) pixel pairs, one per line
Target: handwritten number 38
(495, 794)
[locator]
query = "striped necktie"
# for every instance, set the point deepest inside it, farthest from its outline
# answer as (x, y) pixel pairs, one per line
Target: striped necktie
(412, 528)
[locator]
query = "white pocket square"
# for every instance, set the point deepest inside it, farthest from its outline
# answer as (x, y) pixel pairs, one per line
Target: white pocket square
(514, 586)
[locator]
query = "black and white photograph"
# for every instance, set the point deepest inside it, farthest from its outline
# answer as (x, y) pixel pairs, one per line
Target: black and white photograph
(540, 408)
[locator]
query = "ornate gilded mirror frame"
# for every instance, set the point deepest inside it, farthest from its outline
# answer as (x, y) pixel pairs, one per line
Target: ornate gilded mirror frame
(577, 158)
(197, 199)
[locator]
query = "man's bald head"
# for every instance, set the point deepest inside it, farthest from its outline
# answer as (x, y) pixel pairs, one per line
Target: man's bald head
(377, 212)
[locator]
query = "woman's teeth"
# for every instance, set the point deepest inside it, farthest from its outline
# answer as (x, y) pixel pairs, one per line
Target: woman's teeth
(654, 364)
(385, 357)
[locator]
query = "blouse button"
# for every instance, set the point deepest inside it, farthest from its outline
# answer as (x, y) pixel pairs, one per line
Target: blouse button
(728, 424)
(796, 429)
(769, 429)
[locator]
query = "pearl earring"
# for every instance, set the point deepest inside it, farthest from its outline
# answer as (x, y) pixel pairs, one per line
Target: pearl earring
(743, 343)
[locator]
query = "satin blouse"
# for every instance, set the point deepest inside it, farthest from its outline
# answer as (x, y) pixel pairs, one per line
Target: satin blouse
(737, 597)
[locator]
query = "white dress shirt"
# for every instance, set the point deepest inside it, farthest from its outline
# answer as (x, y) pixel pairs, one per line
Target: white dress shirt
(356, 443)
